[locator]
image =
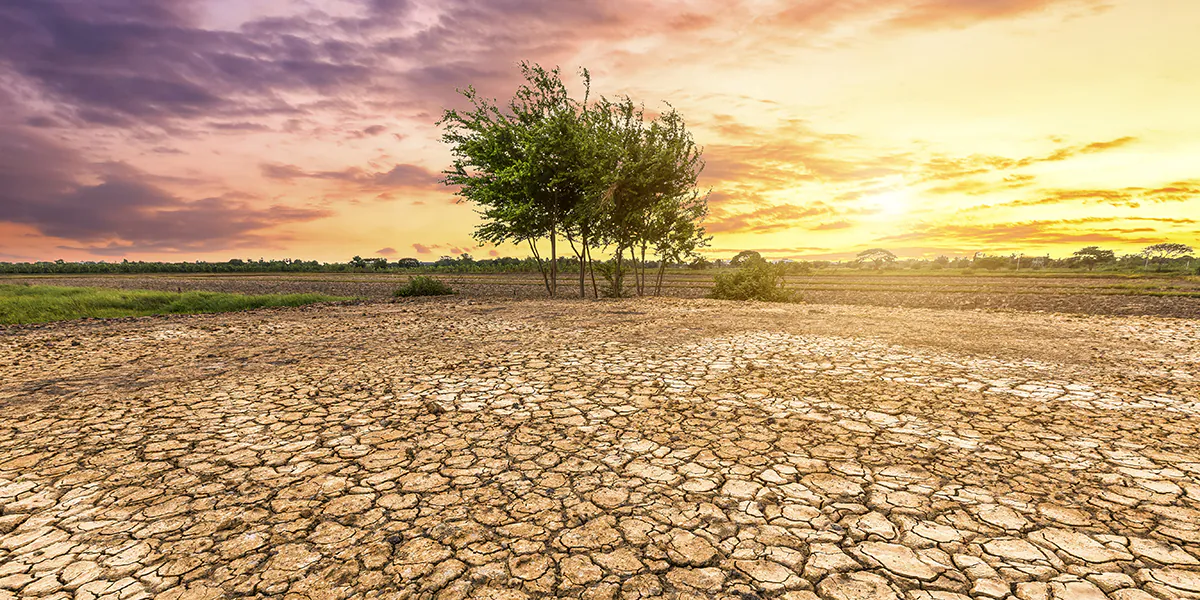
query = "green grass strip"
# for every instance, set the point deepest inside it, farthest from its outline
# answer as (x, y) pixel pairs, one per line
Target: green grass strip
(41, 303)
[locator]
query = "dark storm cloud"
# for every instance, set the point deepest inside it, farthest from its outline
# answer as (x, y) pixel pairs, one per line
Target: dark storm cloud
(123, 211)
(129, 62)
(121, 62)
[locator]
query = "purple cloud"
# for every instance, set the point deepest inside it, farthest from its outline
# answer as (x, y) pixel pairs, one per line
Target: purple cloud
(401, 176)
(124, 211)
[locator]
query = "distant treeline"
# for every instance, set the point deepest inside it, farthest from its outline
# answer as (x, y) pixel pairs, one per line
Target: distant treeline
(1160, 258)
(445, 264)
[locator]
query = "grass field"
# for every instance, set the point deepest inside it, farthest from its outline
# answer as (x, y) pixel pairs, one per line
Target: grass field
(41, 303)
(1034, 291)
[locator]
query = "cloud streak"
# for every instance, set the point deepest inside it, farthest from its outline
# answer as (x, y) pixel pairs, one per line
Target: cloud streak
(1022, 234)
(41, 186)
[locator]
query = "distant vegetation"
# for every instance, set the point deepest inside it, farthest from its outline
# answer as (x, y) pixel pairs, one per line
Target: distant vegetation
(422, 285)
(1159, 258)
(41, 303)
(446, 264)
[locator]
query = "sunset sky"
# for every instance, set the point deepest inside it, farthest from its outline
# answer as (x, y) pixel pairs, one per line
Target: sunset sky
(192, 129)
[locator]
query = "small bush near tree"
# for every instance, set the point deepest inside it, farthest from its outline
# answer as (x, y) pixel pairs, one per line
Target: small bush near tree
(614, 276)
(756, 279)
(423, 286)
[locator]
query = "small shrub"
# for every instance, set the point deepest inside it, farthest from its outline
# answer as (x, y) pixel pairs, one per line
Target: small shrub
(423, 286)
(608, 270)
(757, 279)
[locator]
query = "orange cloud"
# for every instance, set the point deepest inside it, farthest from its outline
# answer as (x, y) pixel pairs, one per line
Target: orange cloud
(1132, 197)
(832, 226)
(772, 218)
(1015, 235)
(942, 168)
(960, 13)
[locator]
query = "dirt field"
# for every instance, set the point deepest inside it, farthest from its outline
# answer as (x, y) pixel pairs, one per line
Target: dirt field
(1079, 294)
(688, 449)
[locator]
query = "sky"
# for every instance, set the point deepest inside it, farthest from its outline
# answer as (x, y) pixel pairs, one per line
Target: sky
(213, 129)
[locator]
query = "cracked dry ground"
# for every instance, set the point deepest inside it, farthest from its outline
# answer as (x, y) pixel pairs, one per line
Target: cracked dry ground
(601, 450)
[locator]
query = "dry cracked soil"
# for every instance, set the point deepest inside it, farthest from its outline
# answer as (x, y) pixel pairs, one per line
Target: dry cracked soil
(601, 450)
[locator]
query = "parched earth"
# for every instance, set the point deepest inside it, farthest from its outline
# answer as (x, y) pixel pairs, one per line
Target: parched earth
(602, 450)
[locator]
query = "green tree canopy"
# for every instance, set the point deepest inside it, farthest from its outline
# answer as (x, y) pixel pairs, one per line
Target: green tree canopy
(600, 174)
(1090, 256)
(876, 256)
(1162, 253)
(744, 256)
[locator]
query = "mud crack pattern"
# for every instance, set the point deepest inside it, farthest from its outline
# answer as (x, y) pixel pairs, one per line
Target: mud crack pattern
(685, 449)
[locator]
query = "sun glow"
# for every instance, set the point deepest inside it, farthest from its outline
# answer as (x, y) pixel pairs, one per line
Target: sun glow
(891, 203)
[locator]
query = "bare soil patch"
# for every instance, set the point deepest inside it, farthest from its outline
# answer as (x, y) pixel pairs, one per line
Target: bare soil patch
(486, 448)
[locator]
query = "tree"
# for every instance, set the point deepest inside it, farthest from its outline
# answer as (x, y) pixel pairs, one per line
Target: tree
(358, 262)
(646, 169)
(521, 164)
(876, 256)
(744, 256)
(408, 263)
(1093, 255)
(1161, 253)
(598, 174)
(677, 232)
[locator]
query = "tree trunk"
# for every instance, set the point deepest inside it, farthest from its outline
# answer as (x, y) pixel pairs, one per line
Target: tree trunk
(637, 270)
(637, 274)
(662, 269)
(582, 281)
(553, 260)
(591, 270)
(581, 254)
(617, 274)
(541, 267)
(642, 290)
